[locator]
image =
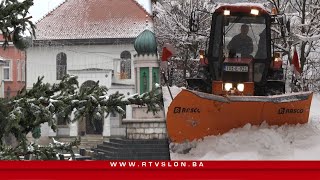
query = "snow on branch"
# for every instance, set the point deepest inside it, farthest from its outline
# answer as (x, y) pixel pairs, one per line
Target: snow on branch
(308, 38)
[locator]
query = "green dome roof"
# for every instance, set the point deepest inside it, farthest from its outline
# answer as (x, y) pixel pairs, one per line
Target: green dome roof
(146, 43)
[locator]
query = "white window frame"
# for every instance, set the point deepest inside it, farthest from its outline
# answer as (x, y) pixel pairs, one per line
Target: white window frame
(10, 70)
(19, 70)
(23, 70)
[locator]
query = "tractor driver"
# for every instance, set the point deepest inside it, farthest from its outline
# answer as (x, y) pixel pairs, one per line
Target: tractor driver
(241, 43)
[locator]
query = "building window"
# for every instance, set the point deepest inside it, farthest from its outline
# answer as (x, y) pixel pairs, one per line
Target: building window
(61, 65)
(61, 121)
(125, 69)
(7, 74)
(125, 55)
(87, 85)
(113, 114)
(20, 70)
(125, 65)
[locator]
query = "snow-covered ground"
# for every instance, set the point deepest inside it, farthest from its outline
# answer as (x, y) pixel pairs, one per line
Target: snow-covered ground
(290, 142)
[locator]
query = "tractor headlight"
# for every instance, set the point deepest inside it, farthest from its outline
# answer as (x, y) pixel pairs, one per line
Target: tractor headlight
(254, 11)
(228, 86)
(226, 12)
(240, 87)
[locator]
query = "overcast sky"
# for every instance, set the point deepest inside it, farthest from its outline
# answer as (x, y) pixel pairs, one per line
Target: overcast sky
(42, 7)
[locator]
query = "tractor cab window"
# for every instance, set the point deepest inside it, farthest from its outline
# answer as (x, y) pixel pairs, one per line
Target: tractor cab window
(244, 36)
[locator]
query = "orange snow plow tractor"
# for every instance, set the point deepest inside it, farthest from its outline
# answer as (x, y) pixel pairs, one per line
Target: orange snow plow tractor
(243, 80)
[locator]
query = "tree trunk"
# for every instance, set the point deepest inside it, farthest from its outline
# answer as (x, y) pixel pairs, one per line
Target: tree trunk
(185, 67)
(303, 30)
(303, 58)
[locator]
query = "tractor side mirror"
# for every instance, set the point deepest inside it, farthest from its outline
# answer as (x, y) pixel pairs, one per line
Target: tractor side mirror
(194, 22)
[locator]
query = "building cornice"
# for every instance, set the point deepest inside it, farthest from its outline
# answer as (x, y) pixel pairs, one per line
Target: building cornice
(73, 42)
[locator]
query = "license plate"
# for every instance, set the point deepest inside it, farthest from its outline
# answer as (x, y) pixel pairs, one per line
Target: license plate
(236, 68)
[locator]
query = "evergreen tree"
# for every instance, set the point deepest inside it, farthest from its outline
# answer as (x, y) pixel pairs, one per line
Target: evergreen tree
(43, 103)
(14, 21)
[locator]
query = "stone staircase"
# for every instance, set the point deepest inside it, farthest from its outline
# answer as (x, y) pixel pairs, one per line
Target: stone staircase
(126, 149)
(87, 142)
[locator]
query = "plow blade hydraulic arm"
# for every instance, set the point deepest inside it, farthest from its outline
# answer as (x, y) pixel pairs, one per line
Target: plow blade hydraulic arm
(194, 115)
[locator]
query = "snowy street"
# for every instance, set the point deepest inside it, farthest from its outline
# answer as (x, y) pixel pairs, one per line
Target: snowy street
(294, 142)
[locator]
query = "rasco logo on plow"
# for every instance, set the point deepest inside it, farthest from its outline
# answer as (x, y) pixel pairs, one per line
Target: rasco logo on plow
(290, 111)
(186, 110)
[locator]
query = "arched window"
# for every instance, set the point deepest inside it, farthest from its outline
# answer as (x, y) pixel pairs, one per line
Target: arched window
(125, 65)
(61, 65)
(125, 55)
(87, 85)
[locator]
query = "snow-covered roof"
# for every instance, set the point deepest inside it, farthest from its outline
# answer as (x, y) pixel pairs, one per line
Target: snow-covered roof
(84, 19)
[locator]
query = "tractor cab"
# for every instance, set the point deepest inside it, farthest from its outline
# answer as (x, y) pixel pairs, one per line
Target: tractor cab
(239, 53)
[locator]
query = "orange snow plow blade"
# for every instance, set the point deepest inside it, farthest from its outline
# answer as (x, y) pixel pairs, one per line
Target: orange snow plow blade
(194, 115)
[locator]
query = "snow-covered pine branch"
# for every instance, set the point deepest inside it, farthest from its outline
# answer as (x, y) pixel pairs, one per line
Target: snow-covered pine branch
(45, 103)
